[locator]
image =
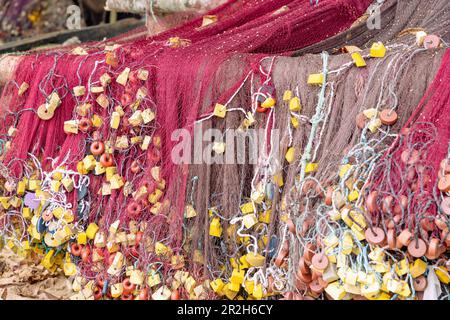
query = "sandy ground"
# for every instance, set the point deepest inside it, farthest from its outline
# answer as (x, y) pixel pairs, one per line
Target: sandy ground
(23, 279)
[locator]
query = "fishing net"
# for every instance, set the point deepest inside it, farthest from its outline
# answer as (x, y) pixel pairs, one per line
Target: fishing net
(89, 136)
(58, 119)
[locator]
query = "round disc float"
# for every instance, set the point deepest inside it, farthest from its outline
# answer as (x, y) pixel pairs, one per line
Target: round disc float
(375, 235)
(388, 117)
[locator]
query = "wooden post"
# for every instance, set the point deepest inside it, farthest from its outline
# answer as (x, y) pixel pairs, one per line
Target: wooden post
(113, 16)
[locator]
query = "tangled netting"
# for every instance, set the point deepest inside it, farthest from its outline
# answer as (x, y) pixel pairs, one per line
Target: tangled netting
(393, 21)
(402, 197)
(90, 182)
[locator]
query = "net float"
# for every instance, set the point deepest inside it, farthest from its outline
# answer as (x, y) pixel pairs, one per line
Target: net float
(316, 287)
(85, 254)
(127, 296)
(441, 222)
(371, 202)
(300, 285)
(133, 77)
(433, 247)
(44, 113)
(143, 294)
(111, 259)
(288, 296)
(417, 248)
(85, 125)
(150, 186)
(305, 277)
(47, 215)
(315, 274)
(431, 41)
(387, 204)
(139, 236)
(134, 209)
(322, 282)
(375, 235)
(175, 295)
(445, 166)
(401, 205)
(308, 186)
(394, 221)
(420, 283)
(279, 260)
(419, 295)
(154, 155)
(410, 157)
(405, 131)
(156, 140)
(282, 254)
(445, 235)
(96, 135)
(320, 261)
(398, 244)
(361, 121)
(268, 103)
(134, 252)
(427, 224)
(405, 237)
(445, 206)
(391, 239)
(75, 249)
(135, 168)
(424, 234)
(97, 148)
(128, 287)
(302, 266)
(261, 109)
(430, 257)
(306, 225)
(329, 196)
(388, 117)
(100, 282)
(106, 160)
(112, 60)
(298, 296)
(309, 252)
(319, 191)
(98, 293)
(411, 175)
(270, 288)
(444, 183)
